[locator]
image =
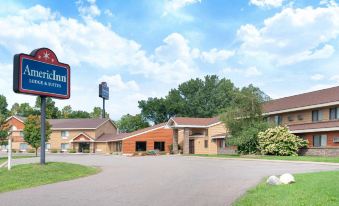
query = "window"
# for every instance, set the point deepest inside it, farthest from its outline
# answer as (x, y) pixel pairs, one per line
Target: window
(334, 113)
(278, 119)
(221, 143)
(206, 143)
(64, 146)
(319, 140)
(64, 134)
(290, 118)
(335, 139)
(140, 146)
(300, 117)
(23, 146)
(159, 146)
(317, 115)
(21, 134)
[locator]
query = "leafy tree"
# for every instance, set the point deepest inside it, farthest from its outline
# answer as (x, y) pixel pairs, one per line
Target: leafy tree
(79, 115)
(66, 112)
(244, 119)
(206, 97)
(3, 106)
(24, 110)
(97, 113)
(4, 130)
(130, 123)
(32, 134)
(52, 111)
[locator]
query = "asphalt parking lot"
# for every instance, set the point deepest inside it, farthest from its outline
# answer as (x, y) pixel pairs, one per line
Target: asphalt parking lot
(161, 180)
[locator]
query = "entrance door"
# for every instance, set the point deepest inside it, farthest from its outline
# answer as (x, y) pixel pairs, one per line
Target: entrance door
(191, 146)
(83, 146)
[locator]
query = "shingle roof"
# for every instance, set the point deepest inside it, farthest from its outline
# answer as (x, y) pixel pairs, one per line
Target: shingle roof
(76, 123)
(301, 100)
(314, 125)
(105, 137)
(195, 121)
(122, 136)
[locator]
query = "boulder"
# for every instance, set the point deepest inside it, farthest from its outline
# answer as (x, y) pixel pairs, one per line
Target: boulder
(273, 180)
(287, 178)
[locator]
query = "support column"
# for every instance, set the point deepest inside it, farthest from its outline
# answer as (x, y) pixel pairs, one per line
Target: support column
(175, 141)
(186, 147)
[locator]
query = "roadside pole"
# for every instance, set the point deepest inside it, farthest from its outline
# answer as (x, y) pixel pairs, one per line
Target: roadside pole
(103, 108)
(9, 161)
(43, 130)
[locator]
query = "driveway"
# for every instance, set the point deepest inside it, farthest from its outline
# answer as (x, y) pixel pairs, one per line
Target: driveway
(163, 180)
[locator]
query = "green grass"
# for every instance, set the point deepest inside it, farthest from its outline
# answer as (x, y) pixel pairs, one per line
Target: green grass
(312, 189)
(31, 175)
(297, 158)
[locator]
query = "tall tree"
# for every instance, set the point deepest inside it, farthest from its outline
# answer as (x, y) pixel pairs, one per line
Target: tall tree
(52, 111)
(97, 113)
(66, 112)
(78, 114)
(3, 106)
(206, 97)
(15, 109)
(131, 123)
(32, 134)
(244, 119)
(24, 110)
(4, 130)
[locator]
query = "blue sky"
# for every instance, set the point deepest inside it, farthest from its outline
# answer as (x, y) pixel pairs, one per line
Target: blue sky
(143, 48)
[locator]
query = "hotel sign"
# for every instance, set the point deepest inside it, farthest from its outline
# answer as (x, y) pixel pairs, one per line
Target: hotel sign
(40, 73)
(103, 90)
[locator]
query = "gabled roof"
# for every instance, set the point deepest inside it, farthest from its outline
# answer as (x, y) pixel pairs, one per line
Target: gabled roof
(123, 136)
(105, 137)
(192, 122)
(83, 134)
(309, 100)
(19, 118)
(70, 124)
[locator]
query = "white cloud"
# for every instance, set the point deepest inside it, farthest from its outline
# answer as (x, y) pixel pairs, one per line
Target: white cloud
(317, 77)
(216, 55)
(267, 3)
(116, 83)
(291, 36)
(108, 12)
(88, 8)
(335, 78)
(247, 72)
(172, 6)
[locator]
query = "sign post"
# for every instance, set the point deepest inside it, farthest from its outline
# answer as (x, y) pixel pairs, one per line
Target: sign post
(41, 74)
(104, 94)
(9, 161)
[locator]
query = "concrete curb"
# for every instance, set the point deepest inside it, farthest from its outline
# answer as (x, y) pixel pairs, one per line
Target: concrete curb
(266, 160)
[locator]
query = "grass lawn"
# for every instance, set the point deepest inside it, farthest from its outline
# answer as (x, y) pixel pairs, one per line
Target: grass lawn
(31, 175)
(297, 158)
(310, 189)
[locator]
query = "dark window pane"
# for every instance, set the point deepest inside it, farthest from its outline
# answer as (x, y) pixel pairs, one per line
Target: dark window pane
(315, 115)
(333, 113)
(316, 140)
(206, 143)
(159, 146)
(140, 146)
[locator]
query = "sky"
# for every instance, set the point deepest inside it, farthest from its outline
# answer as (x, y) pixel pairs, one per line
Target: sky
(143, 48)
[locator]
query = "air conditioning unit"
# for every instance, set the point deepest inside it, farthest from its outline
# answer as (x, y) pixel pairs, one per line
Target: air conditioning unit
(335, 139)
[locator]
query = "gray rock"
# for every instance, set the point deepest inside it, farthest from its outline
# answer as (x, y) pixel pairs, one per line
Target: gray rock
(273, 180)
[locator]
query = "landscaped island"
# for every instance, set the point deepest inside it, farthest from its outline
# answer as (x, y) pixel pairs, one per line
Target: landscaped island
(319, 188)
(31, 175)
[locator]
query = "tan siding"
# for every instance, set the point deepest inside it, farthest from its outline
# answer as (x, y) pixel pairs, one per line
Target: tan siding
(102, 147)
(215, 130)
(56, 140)
(199, 145)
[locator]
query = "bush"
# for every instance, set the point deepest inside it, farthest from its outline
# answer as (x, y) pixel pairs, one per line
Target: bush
(279, 141)
(72, 151)
(14, 151)
(85, 151)
(31, 151)
(54, 151)
(152, 152)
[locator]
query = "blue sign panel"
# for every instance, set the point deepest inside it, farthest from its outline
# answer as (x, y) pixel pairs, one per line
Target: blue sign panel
(41, 75)
(104, 90)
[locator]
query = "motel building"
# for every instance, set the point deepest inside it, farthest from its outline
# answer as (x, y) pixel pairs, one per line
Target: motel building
(313, 116)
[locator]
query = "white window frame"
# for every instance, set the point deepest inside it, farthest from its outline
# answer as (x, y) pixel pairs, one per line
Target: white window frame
(25, 146)
(64, 150)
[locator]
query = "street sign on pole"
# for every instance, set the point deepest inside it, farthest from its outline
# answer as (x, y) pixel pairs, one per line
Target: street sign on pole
(41, 74)
(104, 94)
